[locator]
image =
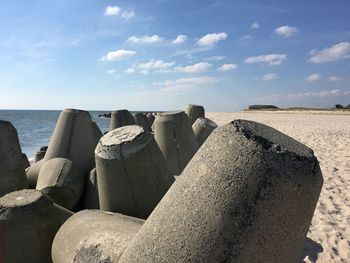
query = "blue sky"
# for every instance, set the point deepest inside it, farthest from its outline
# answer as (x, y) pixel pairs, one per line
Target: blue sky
(162, 54)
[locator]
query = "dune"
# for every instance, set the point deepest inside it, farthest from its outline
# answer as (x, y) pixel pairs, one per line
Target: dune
(328, 134)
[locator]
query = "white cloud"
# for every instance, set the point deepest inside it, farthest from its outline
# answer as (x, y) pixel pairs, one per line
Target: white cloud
(111, 71)
(271, 59)
(180, 39)
(215, 58)
(313, 77)
(309, 95)
(334, 53)
(145, 39)
(128, 14)
(211, 39)
(112, 11)
(155, 65)
(255, 25)
(227, 67)
(245, 38)
(335, 79)
(144, 72)
(196, 68)
(185, 85)
(129, 71)
(270, 76)
(286, 31)
(118, 55)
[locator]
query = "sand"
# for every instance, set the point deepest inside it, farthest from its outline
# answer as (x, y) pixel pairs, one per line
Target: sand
(328, 134)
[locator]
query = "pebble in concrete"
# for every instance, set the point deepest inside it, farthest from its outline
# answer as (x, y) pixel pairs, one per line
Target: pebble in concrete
(74, 138)
(121, 118)
(28, 223)
(91, 200)
(94, 236)
(12, 175)
(176, 140)
(141, 120)
(248, 195)
(132, 173)
(202, 128)
(62, 180)
(194, 112)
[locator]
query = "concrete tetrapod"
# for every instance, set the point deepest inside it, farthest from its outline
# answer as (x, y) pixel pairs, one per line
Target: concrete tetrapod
(121, 118)
(29, 221)
(194, 112)
(202, 128)
(141, 120)
(74, 138)
(132, 175)
(151, 119)
(175, 139)
(91, 200)
(12, 175)
(248, 195)
(62, 180)
(94, 236)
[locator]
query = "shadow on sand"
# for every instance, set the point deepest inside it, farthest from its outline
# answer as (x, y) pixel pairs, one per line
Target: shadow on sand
(311, 250)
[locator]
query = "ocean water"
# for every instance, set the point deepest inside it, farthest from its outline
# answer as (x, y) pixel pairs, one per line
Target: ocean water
(35, 127)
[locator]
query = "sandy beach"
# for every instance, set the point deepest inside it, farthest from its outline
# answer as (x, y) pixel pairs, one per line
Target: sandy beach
(328, 134)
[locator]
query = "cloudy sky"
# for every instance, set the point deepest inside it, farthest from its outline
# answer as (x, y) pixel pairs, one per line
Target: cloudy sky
(162, 54)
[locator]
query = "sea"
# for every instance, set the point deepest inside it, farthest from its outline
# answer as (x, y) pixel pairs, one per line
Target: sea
(35, 127)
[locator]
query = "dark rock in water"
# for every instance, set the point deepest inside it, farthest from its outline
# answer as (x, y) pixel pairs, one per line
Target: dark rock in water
(12, 175)
(105, 115)
(262, 107)
(338, 106)
(247, 195)
(28, 223)
(94, 236)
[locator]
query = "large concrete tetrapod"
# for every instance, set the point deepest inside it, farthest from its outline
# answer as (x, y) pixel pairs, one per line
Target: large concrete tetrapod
(132, 175)
(28, 223)
(121, 118)
(248, 195)
(202, 128)
(151, 119)
(62, 180)
(12, 175)
(94, 236)
(194, 112)
(175, 137)
(141, 120)
(74, 138)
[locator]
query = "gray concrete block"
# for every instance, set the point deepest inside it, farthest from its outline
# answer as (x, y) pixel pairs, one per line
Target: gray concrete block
(202, 128)
(74, 138)
(63, 181)
(175, 138)
(141, 120)
(132, 174)
(151, 119)
(248, 195)
(28, 223)
(121, 118)
(26, 163)
(94, 236)
(91, 199)
(194, 112)
(12, 175)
